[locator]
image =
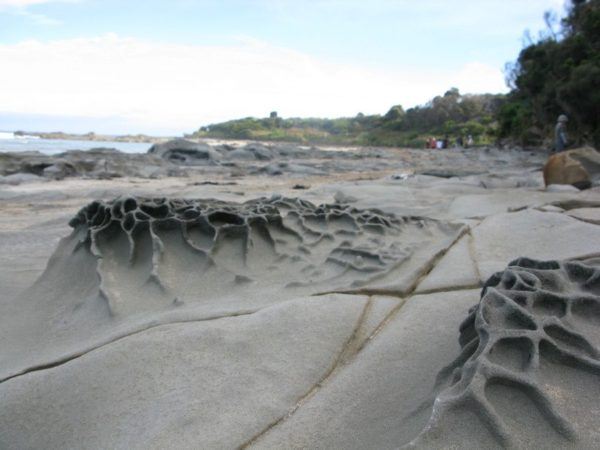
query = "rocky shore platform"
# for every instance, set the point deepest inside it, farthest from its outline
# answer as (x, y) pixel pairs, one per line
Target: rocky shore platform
(277, 296)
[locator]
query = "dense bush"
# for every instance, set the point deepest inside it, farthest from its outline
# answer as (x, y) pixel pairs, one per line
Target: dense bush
(559, 74)
(452, 114)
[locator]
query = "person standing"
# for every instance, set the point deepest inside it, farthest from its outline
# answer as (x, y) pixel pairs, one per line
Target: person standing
(560, 133)
(469, 141)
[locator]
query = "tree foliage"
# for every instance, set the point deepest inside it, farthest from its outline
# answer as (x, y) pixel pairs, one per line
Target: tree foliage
(559, 74)
(451, 114)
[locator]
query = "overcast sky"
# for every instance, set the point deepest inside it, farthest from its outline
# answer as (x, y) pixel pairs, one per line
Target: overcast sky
(168, 67)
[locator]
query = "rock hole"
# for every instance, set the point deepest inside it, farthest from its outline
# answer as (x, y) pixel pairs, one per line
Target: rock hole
(512, 353)
(587, 310)
(225, 218)
(129, 204)
(549, 305)
(158, 211)
(128, 222)
(527, 417)
(572, 341)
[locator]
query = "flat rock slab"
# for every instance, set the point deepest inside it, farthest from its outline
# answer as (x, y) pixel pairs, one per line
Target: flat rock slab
(206, 384)
(561, 188)
(420, 195)
(453, 199)
(591, 215)
(455, 270)
(533, 234)
(34, 247)
(501, 201)
(374, 401)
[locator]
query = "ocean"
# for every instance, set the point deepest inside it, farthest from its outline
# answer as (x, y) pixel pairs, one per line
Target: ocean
(11, 143)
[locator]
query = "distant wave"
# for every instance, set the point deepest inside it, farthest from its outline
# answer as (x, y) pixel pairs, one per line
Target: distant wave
(11, 135)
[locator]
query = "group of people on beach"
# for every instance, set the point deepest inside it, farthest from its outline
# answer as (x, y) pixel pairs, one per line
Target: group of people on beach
(435, 143)
(560, 138)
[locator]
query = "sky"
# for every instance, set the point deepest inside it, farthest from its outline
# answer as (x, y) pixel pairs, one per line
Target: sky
(168, 67)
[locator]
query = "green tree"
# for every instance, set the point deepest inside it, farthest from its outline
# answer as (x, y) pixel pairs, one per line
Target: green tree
(558, 74)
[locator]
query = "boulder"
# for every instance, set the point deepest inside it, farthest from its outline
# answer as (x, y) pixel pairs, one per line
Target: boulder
(579, 167)
(273, 169)
(59, 170)
(181, 151)
(241, 154)
(294, 151)
(252, 152)
(259, 151)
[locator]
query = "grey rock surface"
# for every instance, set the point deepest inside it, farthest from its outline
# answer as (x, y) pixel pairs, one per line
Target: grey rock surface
(591, 215)
(375, 400)
(540, 235)
(181, 151)
(18, 178)
(561, 188)
(101, 163)
(205, 384)
(257, 151)
(248, 319)
(456, 270)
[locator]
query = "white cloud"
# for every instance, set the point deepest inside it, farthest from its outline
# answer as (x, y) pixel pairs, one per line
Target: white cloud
(180, 87)
(476, 77)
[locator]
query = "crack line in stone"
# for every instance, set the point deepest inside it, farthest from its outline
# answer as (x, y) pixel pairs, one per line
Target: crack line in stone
(463, 287)
(342, 356)
(337, 363)
(65, 359)
(472, 253)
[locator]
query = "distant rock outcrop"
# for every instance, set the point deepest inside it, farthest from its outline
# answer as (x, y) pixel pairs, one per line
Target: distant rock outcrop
(579, 167)
(95, 163)
(182, 151)
(253, 151)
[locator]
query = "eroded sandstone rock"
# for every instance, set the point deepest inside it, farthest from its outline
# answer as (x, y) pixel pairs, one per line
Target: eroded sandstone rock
(579, 167)
(137, 261)
(529, 371)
